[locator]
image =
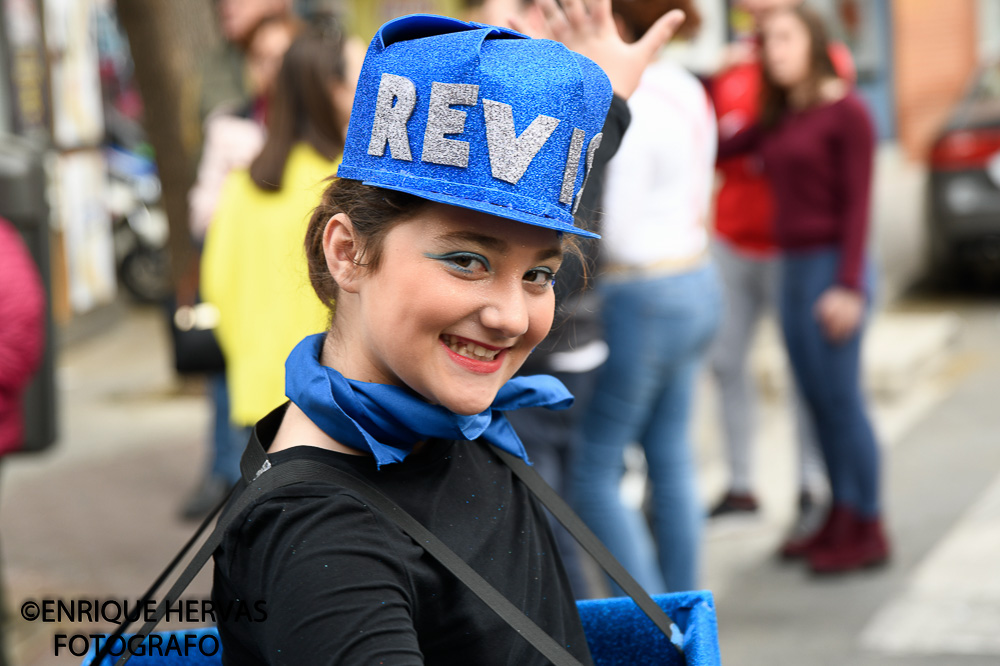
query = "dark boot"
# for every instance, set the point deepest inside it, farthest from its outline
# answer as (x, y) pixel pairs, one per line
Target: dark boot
(733, 503)
(837, 525)
(866, 546)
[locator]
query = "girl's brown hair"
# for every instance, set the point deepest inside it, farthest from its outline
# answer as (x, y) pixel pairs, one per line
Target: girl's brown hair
(301, 108)
(640, 15)
(774, 98)
(373, 212)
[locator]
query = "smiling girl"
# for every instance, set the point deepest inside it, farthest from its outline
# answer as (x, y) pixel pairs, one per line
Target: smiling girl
(438, 243)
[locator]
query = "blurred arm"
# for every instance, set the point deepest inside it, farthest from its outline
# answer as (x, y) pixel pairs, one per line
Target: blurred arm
(230, 143)
(22, 312)
(857, 149)
(743, 142)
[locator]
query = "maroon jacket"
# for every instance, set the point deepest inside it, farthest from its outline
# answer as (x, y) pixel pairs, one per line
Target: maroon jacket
(819, 162)
(22, 331)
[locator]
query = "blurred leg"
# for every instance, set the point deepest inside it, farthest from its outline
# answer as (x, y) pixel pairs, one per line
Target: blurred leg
(678, 512)
(223, 465)
(743, 280)
(802, 335)
(667, 442)
(616, 417)
(238, 438)
(812, 469)
(829, 376)
(228, 440)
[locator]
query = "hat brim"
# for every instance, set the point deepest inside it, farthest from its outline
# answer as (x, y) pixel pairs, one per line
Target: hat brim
(491, 209)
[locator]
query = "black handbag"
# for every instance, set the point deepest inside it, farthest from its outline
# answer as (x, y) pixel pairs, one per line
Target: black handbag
(196, 350)
(192, 329)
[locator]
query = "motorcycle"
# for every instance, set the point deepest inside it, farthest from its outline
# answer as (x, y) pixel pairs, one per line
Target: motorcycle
(139, 224)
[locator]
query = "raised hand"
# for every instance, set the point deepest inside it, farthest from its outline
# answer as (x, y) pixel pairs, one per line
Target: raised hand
(589, 29)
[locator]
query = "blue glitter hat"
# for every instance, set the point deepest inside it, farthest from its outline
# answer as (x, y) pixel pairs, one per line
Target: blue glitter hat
(477, 116)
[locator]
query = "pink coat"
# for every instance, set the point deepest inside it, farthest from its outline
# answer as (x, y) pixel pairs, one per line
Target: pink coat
(22, 331)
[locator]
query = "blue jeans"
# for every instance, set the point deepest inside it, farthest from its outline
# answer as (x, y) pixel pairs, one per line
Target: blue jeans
(829, 377)
(228, 440)
(658, 330)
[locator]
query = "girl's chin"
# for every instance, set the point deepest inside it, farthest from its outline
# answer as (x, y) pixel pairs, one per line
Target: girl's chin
(459, 396)
(467, 408)
(468, 402)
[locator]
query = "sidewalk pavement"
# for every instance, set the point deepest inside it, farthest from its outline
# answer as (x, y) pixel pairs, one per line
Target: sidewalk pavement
(937, 603)
(96, 517)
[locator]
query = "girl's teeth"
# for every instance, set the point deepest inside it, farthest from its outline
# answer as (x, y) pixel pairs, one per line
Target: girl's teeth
(472, 351)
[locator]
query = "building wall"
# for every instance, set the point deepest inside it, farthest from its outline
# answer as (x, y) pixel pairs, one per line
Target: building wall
(935, 51)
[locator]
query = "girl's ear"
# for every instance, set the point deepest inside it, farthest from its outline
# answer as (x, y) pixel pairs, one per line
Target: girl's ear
(341, 250)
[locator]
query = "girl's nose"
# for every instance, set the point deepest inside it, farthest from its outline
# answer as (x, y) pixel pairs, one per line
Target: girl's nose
(507, 311)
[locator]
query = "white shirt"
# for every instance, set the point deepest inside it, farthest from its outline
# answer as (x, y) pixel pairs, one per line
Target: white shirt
(658, 187)
(231, 143)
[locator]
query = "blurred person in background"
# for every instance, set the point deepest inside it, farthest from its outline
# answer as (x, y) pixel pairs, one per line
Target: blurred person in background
(253, 261)
(234, 138)
(816, 140)
(224, 82)
(22, 343)
(661, 302)
(745, 251)
(232, 141)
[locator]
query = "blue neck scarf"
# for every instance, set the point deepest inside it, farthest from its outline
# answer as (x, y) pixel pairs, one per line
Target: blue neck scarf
(388, 421)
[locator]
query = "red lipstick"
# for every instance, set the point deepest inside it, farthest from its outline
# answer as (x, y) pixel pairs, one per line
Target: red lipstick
(478, 365)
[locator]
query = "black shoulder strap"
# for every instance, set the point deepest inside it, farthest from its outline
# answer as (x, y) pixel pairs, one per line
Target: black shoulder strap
(594, 547)
(261, 477)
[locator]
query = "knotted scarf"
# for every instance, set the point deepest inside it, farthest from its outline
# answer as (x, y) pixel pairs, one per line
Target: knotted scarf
(388, 421)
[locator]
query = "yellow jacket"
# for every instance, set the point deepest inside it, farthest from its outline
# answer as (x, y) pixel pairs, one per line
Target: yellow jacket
(253, 269)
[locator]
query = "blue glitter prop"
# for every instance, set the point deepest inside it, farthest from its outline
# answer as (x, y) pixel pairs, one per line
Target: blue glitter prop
(479, 117)
(618, 633)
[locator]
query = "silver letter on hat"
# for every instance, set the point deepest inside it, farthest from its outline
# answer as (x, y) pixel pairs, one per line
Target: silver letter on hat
(572, 166)
(510, 154)
(390, 121)
(442, 119)
(592, 147)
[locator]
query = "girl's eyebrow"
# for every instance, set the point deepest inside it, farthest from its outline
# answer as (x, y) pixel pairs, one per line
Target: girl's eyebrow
(550, 253)
(496, 244)
(483, 240)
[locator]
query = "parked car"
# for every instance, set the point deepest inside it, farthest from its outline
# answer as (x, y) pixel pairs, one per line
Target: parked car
(964, 184)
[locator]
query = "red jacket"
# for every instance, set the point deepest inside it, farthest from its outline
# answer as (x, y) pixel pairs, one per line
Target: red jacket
(22, 331)
(744, 210)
